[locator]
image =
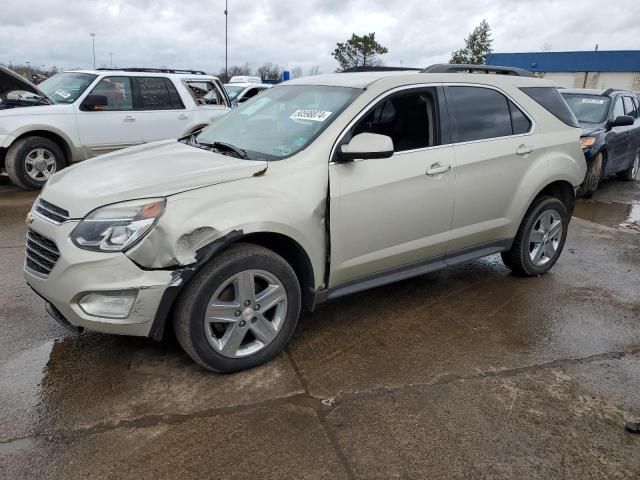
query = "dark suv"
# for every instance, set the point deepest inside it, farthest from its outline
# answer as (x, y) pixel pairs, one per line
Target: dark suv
(610, 121)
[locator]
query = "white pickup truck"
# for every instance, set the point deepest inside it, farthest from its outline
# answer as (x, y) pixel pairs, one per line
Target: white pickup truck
(76, 115)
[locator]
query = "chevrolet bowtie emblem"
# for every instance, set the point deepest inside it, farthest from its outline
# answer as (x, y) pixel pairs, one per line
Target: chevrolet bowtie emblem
(29, 219)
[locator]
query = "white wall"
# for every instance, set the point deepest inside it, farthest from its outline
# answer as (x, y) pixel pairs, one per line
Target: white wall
(604, 80)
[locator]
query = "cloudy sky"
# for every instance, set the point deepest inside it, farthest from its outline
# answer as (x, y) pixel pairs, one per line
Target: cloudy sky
(190, 33)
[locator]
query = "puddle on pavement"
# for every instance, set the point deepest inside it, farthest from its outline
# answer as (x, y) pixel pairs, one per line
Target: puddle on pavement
(607, 213)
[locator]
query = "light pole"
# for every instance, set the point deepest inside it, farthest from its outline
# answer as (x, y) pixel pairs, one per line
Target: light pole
(110, 59)
(93, 48)
(226, 39)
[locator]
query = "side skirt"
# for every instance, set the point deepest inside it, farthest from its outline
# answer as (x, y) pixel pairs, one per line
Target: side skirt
(412, 270)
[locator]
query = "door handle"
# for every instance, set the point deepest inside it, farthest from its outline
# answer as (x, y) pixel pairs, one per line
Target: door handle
(523, 150)
(129, 118)
(182, 116)
(437, 169)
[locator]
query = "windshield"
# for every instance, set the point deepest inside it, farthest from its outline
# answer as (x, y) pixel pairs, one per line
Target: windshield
(66, 87)
(588, 108)
(233, 92)
(281, 121)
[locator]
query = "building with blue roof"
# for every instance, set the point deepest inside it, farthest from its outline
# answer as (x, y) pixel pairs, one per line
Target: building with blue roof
(590, 69)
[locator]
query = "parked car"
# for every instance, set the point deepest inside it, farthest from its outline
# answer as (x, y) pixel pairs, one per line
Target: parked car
(76, 115)
(610, 121)
(325, 186)
(240, 92)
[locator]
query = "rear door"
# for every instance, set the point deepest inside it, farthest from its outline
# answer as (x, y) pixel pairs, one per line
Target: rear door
(392, 212)
(494, 146)
(631, 109)
(159, 108)
(114, 125)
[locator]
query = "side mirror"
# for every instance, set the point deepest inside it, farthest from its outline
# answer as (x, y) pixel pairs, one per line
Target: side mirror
(94, 102)
(621, 121)
(366, 146)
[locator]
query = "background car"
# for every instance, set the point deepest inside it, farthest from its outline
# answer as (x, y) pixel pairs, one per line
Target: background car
(76, 115)
(240, 92)
(610, 121)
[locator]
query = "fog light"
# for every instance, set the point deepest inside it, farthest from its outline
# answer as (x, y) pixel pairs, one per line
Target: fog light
(114, 304)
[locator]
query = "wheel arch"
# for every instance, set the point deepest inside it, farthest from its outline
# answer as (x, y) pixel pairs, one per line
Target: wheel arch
(562, 190)
(55, 137)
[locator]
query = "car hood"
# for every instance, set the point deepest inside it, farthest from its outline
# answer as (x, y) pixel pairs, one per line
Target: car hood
(590, 128)
(11, 81)
(151, 170)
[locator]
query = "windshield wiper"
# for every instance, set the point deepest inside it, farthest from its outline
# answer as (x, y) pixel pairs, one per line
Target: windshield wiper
(226, 147)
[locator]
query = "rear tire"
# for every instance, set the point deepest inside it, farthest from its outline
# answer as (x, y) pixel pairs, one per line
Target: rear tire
(31, 161)
(239, 310)
(592, 178)
(540, 238)
(631, 173)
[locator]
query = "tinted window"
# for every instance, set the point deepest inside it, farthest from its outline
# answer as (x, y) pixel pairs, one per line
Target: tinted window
(117, 90)
(154, 94)
(618, 108)
(553, 102)
(629, 107)
(478, 113)
(519, 122)
(408, 118)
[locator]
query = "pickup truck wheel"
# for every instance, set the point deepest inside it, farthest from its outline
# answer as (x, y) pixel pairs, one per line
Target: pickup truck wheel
(239, 311)
(631, 173)
(540, 238)
(31, 161)
(592, 178)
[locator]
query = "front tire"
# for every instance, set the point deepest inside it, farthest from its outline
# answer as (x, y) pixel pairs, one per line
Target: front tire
(540, 238)
(631, 173)
(592, 178)
(239, 311)
(31, 161)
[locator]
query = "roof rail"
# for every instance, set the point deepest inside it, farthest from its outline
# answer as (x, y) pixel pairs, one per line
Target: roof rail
(376, 68)
(609, 91)
(465, 68)
(154, 70)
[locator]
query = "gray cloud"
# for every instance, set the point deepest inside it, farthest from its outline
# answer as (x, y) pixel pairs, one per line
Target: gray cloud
(190, 34)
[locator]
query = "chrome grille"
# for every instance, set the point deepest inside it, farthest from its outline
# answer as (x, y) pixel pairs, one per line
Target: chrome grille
(41, 253)
(51, 211)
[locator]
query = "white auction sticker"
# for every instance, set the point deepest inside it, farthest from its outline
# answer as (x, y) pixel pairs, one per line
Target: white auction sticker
(597, 101)
(315, 115)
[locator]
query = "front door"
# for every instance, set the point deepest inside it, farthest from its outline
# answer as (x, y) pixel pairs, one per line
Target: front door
(395, 211)
(617, 141)
(112, 126)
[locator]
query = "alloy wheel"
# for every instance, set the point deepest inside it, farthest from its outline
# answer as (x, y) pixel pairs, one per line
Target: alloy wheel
(40, 164)
(245, 313)
(545, 237)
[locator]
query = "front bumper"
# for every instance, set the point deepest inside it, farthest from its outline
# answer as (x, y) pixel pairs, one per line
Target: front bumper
(80, 271)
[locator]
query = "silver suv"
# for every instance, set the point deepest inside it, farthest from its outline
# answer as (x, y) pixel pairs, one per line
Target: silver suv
(320, 187)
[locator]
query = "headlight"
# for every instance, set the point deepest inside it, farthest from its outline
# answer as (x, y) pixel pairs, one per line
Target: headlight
(114, 228)
(587, 142)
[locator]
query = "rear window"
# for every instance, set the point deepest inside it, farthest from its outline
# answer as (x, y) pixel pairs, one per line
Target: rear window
(553, 102)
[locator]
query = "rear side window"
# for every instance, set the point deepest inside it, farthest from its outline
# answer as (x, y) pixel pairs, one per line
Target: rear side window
(553, 102)
(157, 93)
(480, 113)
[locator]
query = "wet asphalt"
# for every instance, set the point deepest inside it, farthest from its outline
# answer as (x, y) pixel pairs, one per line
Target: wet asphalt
(467, 373)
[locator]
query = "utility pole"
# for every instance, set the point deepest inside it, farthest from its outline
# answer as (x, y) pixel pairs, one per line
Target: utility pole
(110, 59)
(226, 39)
(93, 47)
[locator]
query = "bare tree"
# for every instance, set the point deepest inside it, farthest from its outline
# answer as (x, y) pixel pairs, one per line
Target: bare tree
(315, 70)
(296, 72)
(546, 47)
(240, 70)
(269, 71)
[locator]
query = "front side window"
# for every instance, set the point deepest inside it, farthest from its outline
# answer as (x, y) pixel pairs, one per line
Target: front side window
(66, 87)
(629, 107)
(280, 121)
(618, 108)
(478, 113)
(409, 118)
(588, 108)
(157, 93)
(204, 93)
(233, 91)
(117, 91)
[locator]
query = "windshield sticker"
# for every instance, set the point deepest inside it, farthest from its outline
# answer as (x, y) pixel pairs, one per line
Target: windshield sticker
(62, 93)
(593, 100)
(315, 115)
